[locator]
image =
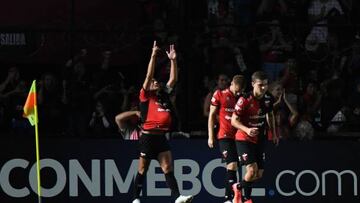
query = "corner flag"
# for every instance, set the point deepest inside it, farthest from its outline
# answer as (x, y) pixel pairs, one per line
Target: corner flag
(30, 107)
(30, 112)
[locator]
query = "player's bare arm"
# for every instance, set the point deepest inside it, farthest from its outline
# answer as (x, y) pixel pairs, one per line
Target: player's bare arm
(211, 122)
(173, 66)
(236, 122)
(151, 67)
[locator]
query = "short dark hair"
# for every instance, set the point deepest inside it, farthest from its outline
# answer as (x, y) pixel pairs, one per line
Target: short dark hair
(239, 80)
(259, 75)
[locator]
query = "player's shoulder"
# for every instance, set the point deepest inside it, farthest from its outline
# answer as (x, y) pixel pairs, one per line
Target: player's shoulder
(216, 92)
(243, 99)
(245, 95)
(221, 92)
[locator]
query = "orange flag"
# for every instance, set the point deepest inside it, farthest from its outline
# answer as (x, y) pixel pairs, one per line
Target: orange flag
(30, 107)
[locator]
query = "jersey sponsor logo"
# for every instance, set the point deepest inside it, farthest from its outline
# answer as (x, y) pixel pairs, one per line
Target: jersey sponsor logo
(225, 153)
(162, 110)
(229, 110)
(244, 157)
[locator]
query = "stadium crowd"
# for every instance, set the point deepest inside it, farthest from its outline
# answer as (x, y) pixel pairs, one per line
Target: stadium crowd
(310, 50)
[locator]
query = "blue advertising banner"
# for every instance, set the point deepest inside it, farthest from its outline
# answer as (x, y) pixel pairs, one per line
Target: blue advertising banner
(102, 170)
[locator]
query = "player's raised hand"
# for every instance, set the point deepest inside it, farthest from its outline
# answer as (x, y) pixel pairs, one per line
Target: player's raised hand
(171, 53)
(155, 49)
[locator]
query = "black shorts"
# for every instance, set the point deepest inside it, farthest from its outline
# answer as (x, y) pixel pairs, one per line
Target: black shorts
(150, 146)
(251, 153)
(228, 150)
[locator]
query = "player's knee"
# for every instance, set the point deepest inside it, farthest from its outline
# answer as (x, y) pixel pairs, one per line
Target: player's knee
(143, 169)
(166, 168)
(251, 173)
(232, 166)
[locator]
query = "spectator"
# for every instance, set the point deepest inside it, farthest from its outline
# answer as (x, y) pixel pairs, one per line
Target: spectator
(50, 104)
(13, 94)
(100, 122)
(354, 104)
(106, 84)
(270, 8)
(275, 49)
(311, 100)
(319, 12)
(130, 100)
(77, 95)
(222, 82)
(333, 99)
(128, 124)
(286, 114)
(304, 130)
(221, 11)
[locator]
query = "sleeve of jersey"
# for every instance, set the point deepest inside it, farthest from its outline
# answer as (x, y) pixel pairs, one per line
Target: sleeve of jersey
(215, 100)
(144, 95)
(239, 107)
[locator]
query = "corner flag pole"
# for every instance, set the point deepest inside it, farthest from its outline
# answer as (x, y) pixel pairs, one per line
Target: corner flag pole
(31, 113)
(37, 156)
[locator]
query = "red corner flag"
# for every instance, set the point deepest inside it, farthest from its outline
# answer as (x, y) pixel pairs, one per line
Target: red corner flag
(30, 107)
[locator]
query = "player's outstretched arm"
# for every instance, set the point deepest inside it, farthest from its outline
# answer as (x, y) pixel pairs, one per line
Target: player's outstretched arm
(173, 66)
(151, 67)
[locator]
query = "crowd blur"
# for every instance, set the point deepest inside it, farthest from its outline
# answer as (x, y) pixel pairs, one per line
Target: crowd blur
(310, 50)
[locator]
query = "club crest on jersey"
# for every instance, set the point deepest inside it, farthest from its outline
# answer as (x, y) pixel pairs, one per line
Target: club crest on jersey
(244, 157)
(225, 153)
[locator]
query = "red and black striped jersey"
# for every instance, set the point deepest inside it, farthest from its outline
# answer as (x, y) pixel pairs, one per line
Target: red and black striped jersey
(155, 113)
(252, 113)
(225, 102)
